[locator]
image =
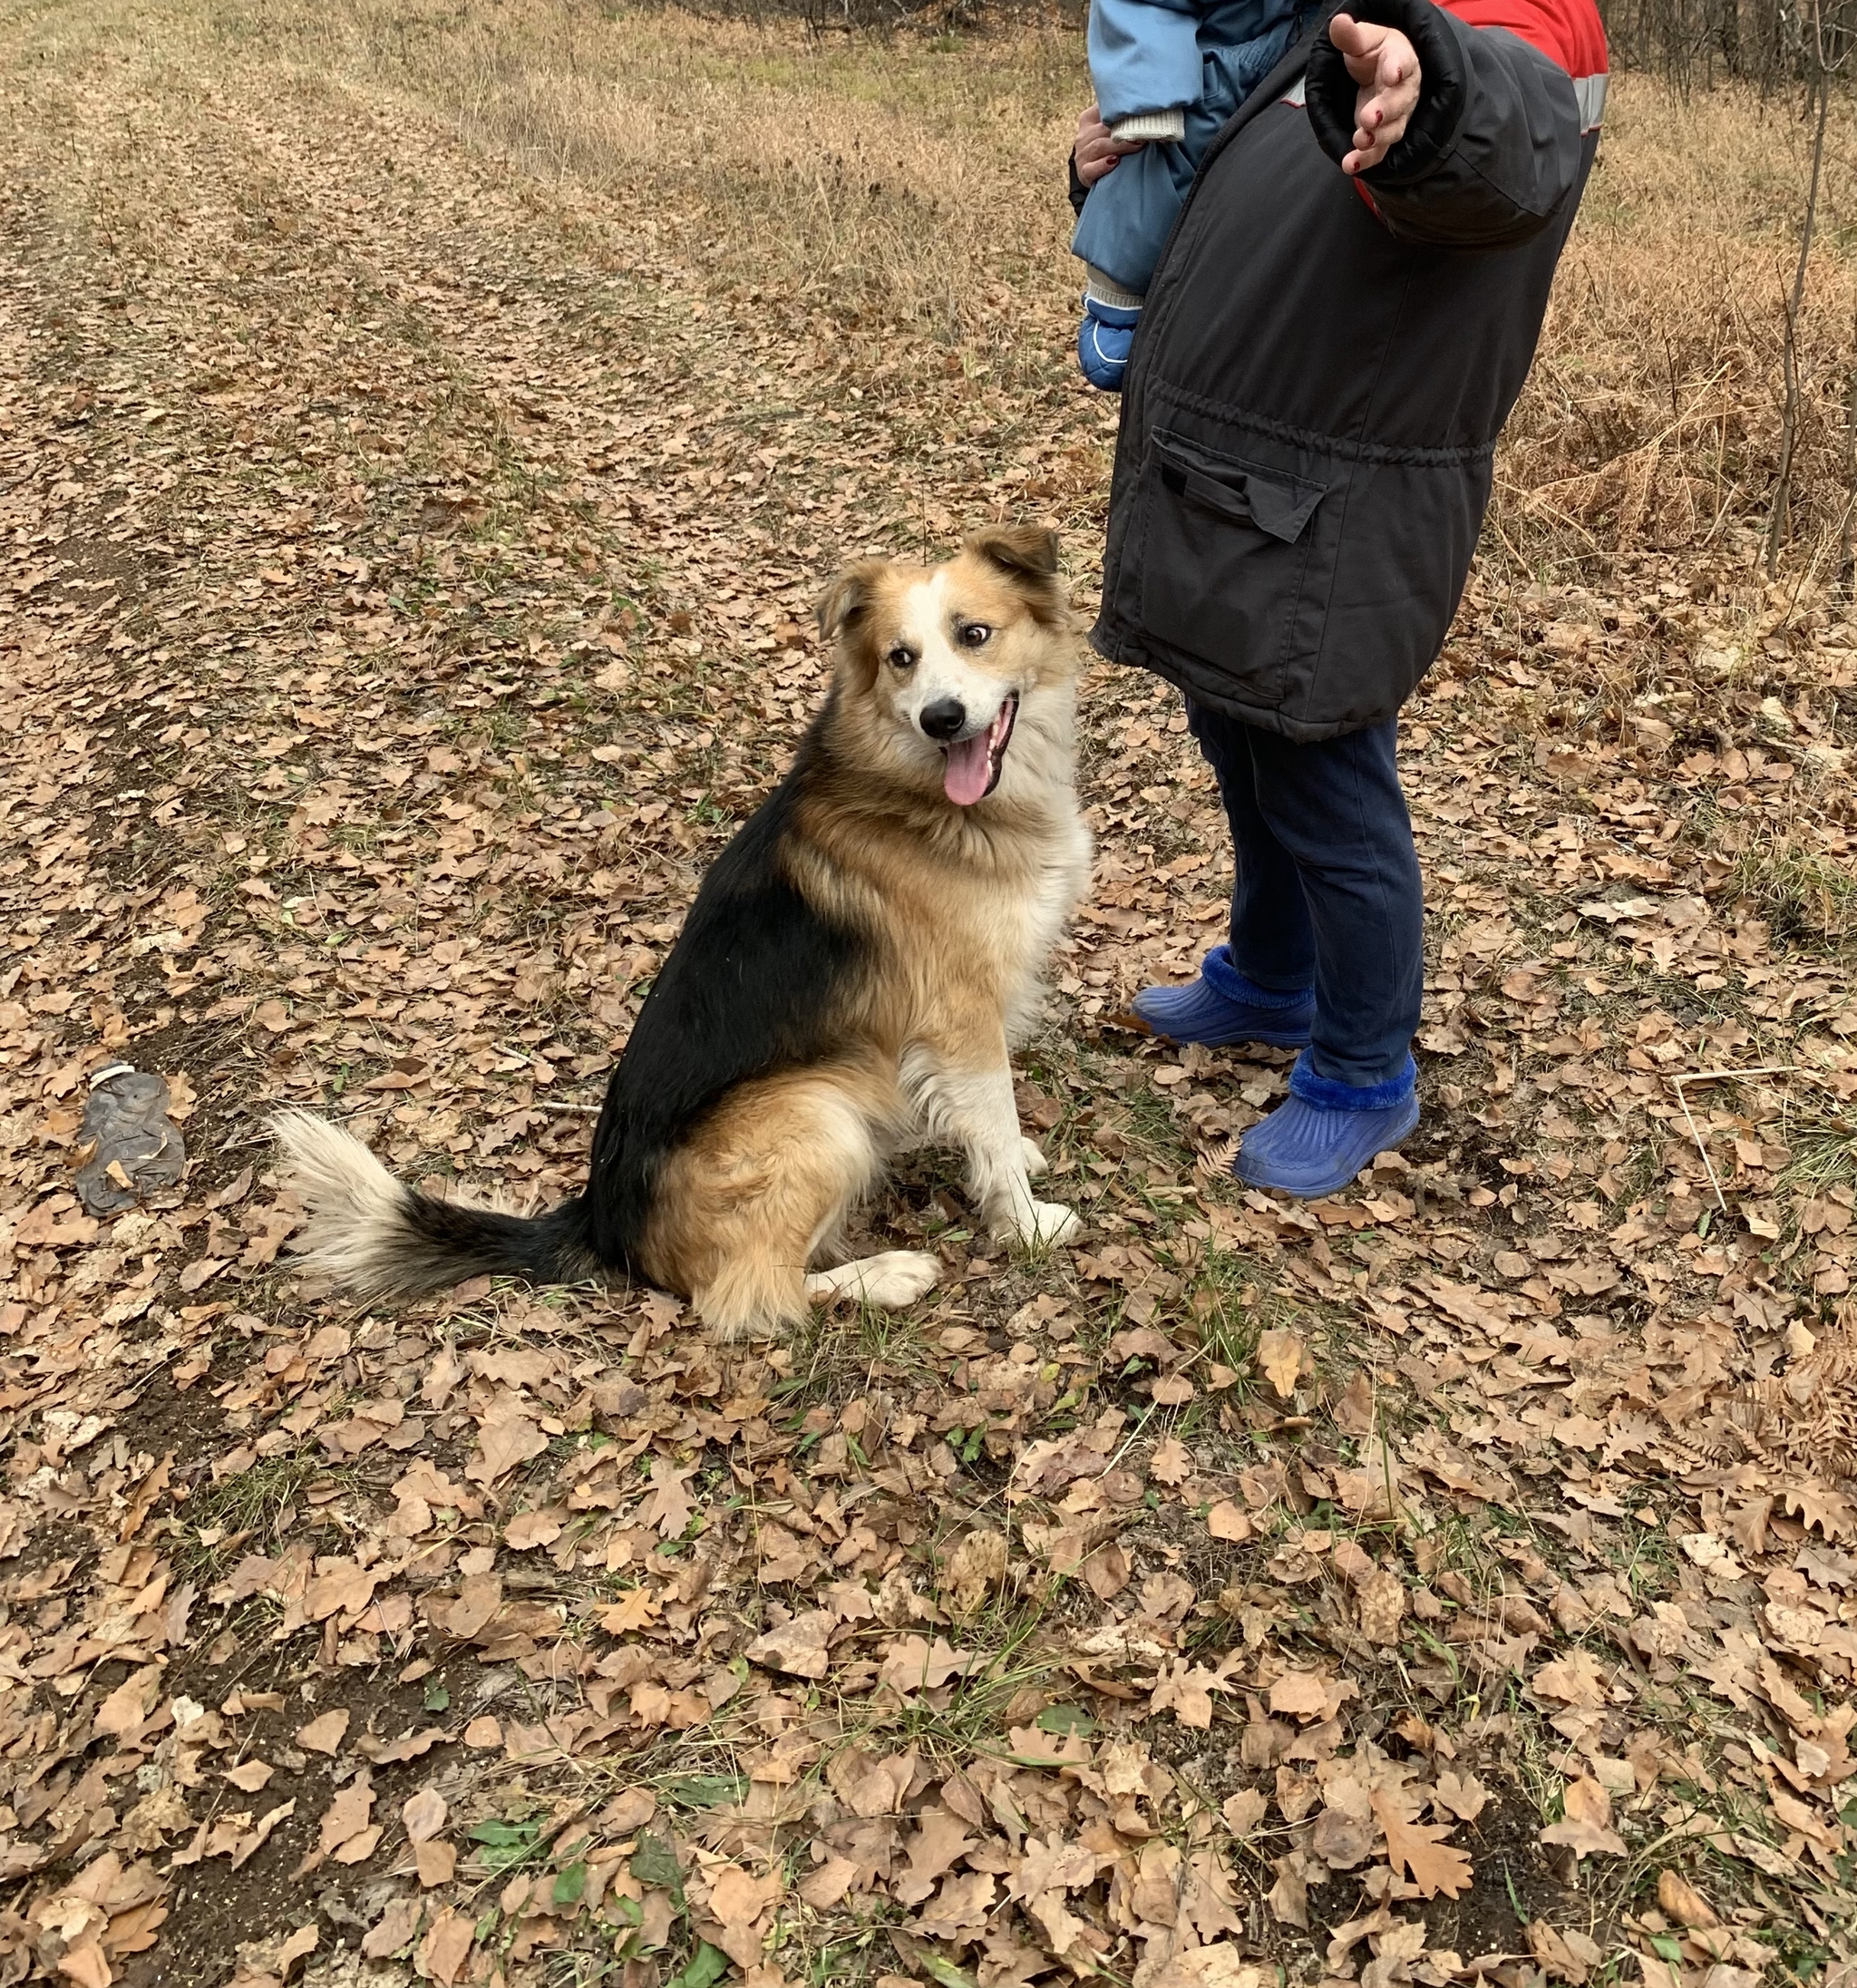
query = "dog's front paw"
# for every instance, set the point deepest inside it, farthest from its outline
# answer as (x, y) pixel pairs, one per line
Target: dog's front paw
(1035, 1161)
(898, 1278)
(1046, 1224)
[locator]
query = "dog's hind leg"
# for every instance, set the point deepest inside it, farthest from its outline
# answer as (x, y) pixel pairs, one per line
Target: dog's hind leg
(745, 1204)
(892, 1279)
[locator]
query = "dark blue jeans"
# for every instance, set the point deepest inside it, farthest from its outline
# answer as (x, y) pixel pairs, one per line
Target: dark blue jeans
(1327, 891)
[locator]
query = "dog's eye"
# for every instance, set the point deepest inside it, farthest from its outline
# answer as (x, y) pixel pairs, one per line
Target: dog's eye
(900, 657)
(976, 635)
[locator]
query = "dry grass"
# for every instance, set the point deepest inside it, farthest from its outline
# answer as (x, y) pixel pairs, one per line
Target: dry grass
(1652, 419)
(910, 189)
(910, 185)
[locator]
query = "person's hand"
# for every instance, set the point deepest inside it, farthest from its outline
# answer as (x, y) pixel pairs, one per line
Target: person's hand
(1095, 152)
(1385, 66)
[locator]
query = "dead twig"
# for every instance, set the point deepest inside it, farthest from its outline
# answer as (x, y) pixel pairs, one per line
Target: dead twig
(1715, 1076)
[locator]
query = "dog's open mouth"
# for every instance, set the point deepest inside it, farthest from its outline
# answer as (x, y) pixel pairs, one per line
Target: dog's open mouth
(974, 764)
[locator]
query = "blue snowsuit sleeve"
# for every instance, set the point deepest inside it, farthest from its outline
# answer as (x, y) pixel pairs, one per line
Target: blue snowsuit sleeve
(1144, 55)
(1129, 215)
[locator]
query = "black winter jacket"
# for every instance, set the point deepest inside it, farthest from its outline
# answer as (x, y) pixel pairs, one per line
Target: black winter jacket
(1317, 385)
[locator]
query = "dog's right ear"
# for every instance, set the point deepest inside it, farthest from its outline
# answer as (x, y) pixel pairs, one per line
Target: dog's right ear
(1028, 552)
(846, 602)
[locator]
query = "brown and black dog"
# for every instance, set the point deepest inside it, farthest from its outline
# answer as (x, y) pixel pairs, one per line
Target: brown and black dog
(849, 983)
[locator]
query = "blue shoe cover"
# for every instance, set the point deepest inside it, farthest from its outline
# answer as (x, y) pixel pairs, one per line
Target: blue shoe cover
(1104, 339)
(1320, 1139)
(1222, 1007)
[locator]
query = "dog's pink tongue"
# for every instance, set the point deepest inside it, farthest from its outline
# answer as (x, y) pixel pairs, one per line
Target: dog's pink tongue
(968, 770)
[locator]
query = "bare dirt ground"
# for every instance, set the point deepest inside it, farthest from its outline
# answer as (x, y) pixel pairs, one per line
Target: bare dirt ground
(411, 518)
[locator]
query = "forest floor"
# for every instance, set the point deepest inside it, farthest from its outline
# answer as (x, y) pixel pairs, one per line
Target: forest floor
(410, 539)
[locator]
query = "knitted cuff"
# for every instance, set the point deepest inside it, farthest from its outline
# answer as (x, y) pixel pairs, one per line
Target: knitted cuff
(1104, 289)
(1218, 972)
(1328, 1094)
(1164, 127)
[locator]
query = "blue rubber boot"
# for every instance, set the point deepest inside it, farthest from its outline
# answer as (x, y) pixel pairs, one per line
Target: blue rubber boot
(1222, 1007)
(1317, 1141)
(1104, 339)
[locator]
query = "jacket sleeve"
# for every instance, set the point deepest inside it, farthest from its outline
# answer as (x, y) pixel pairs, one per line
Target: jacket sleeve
(1145, 56)
(1494, 147)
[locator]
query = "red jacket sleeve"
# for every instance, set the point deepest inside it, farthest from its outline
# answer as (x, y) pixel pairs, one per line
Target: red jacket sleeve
(1499, 143)
(1569, 32)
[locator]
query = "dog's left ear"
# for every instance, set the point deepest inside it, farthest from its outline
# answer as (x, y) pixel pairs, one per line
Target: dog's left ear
(1027, 555)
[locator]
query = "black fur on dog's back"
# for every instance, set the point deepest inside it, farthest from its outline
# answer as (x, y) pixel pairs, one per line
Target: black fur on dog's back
(756, 983)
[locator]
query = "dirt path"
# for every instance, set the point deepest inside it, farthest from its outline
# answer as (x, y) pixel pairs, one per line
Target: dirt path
(407, 586)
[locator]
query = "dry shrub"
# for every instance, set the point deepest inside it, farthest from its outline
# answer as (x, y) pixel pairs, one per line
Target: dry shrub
(908, 191)
(1652, 419)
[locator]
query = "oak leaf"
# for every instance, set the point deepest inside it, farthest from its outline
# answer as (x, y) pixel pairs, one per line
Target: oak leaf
(1171, 1463)
(938, 1842)
(507, 1438)
(797, 1647)
(1227, 1520)
(1419, 1851)
(669, 1506)
(423, 1815)
(324, 1733)
(342, 1588)
(1586, 1827)
(1306, 1694)
(1575, 1679)
(1463, 1795)
(1280, 1355)
(446, 1947)
(913, 1665)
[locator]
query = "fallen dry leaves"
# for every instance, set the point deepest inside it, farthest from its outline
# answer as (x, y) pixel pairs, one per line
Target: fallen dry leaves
(1452, 1581)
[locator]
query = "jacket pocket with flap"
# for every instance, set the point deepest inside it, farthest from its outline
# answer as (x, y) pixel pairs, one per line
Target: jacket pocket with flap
(1229, 555)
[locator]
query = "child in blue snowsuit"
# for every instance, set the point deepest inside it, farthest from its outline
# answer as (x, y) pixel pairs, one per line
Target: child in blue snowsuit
(1168, 74)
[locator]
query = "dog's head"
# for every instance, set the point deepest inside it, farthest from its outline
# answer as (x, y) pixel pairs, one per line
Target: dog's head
(946, 660)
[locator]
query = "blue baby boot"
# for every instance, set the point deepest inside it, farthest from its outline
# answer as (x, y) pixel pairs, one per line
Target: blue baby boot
(1104, 339)
(1320, 1139)
(1222, 1007)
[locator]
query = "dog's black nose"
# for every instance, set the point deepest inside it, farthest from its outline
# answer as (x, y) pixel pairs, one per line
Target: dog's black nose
(943, 719)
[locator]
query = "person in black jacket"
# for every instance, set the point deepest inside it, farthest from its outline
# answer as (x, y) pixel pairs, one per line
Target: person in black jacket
(1338, 326)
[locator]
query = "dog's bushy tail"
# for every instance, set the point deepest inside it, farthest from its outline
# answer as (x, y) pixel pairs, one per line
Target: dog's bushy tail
(378, 1238)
